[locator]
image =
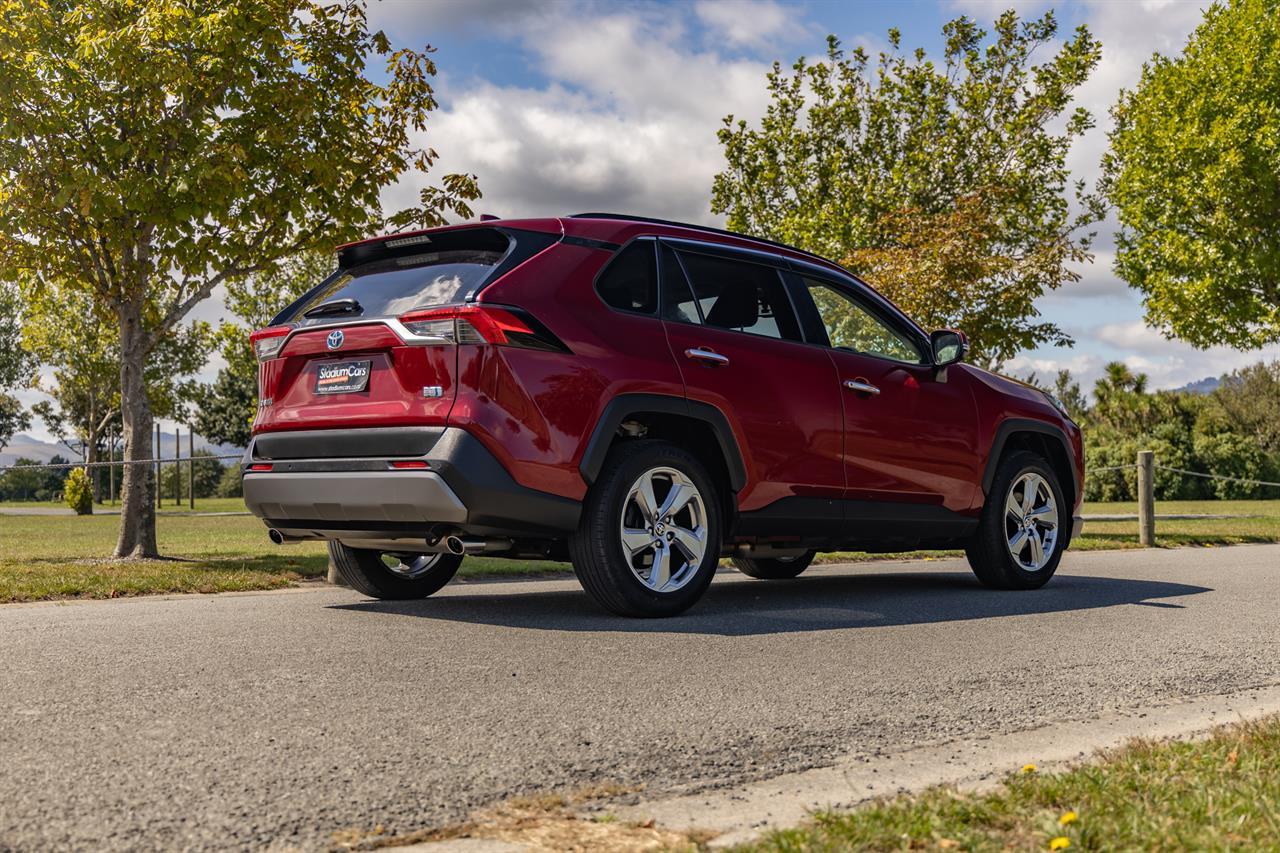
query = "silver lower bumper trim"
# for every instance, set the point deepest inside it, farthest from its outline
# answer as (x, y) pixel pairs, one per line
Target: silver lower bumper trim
(353, 496)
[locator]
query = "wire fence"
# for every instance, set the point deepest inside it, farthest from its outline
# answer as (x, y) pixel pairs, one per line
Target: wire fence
(160, 460)
(1134, 467)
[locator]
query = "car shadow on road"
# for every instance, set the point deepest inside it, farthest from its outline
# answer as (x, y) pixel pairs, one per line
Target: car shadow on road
(743, 607)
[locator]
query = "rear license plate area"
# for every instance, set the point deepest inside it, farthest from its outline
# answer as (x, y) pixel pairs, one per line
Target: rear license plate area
(343, 377)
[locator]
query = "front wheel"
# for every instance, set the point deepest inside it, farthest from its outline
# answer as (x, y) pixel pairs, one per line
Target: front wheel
(1020, 536)
(383, 574)
(649, 538)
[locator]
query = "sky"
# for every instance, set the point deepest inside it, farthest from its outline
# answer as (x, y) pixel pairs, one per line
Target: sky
(566, 106)
(575, 105)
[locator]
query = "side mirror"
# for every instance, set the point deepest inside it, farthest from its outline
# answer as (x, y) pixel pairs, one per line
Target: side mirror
(949, 346)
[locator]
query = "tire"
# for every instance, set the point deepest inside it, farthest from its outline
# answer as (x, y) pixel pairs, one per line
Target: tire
(366, 571)
(1002, 528)
(774, 568)
(622, 580)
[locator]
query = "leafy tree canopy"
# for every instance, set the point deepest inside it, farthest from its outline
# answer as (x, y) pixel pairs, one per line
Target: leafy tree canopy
(944, 184)
(152, 150)
(1194, 173)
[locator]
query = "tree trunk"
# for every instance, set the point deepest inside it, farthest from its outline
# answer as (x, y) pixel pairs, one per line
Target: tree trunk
(91, 453)
(137, 492)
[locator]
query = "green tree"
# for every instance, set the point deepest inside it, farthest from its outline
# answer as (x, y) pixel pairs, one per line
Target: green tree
(209, 471)
(226, 406)
(16, 364)
(13, 418)
(943, 183)
(1249, 402)
(152, 150)
(1194, 173)
(66, 332)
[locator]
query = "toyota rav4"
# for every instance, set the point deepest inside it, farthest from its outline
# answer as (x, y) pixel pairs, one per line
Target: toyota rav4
(642, 398)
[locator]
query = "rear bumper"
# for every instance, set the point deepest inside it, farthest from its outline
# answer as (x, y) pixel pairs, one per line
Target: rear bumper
(313, 493)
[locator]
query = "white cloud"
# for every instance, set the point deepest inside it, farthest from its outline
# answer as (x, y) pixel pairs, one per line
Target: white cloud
(1168, 364)
(750, 23)
(629, 126)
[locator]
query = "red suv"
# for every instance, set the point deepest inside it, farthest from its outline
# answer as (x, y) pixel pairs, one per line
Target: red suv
(641, 398)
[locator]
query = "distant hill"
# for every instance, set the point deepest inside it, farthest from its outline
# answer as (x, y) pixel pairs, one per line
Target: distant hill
(30, 447)
(1205, 386)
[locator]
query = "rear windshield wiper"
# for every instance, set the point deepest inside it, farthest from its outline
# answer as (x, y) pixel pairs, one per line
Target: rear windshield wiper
(335, 306)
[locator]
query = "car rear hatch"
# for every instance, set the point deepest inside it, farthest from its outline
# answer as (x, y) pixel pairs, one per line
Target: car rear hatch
(375, 344)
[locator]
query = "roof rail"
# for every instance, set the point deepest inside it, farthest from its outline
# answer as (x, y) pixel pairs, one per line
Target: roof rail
(707, 228)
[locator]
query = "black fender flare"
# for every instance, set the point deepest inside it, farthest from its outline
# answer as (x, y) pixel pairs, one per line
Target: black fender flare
(625, 405)
(1011, 426)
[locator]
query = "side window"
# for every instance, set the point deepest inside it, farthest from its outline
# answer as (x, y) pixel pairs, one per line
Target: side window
(852, 327)
(630, 282)
(739, 295)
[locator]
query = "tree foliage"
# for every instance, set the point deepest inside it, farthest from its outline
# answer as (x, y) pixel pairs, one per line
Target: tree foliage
(1230, 432)
(1194, 173)
(944, 184)
(13, 418)
(16, 364)
(77, 492)
(67, 333)
(152, 150)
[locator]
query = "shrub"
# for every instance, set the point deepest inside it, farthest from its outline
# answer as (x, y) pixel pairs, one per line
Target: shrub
(230, 486)
(77, 491)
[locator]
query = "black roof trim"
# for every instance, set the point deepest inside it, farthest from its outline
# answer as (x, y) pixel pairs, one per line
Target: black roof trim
(626, 217)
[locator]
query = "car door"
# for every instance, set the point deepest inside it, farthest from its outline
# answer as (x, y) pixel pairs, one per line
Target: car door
(734, 332)
(909, 434)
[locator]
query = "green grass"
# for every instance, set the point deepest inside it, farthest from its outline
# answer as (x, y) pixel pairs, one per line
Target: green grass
(62, 556)
(202, 505)
(1214, 794)
(1258, 522)
(50, 557)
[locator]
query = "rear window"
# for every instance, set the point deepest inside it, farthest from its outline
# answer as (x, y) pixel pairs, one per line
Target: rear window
(433, 270)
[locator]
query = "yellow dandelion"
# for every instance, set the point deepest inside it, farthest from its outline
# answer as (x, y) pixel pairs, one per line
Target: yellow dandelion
(1028, 768)
(1069, 817)
(1060, 843)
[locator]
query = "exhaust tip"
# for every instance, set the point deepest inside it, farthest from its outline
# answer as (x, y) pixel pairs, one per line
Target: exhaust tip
(275, 536)
(455, 545)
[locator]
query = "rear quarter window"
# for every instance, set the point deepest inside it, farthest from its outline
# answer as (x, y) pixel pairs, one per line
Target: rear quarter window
(630, 281)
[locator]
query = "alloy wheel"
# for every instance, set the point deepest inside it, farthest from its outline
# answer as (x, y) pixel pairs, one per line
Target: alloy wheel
(410, 565)
(1031, 521)
(663, 530)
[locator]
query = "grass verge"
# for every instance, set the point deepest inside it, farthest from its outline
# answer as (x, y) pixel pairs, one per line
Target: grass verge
(1212, 794)
(60, 556)
(51, 557)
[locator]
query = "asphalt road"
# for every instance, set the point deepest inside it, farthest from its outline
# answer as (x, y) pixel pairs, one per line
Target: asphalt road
(277, 719)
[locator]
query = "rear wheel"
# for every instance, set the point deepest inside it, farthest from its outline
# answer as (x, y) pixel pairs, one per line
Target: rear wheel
(774, 568)
(1020, 536)
(386, 574)
(649, 538)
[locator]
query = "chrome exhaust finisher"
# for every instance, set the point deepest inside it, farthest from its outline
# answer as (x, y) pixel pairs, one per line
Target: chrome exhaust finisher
(275, 536)
(459, 546)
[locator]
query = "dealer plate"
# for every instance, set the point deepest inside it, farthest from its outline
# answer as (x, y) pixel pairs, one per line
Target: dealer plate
(342, 377)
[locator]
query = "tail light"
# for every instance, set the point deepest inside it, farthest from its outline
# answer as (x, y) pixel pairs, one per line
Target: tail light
(267, 342)
(484, 324)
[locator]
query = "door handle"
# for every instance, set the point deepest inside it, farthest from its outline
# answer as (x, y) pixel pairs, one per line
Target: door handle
(706, 355)
(862, 386)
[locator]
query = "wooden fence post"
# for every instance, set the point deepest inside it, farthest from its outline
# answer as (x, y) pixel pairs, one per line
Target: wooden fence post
(1146, 499)
(191, 467)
